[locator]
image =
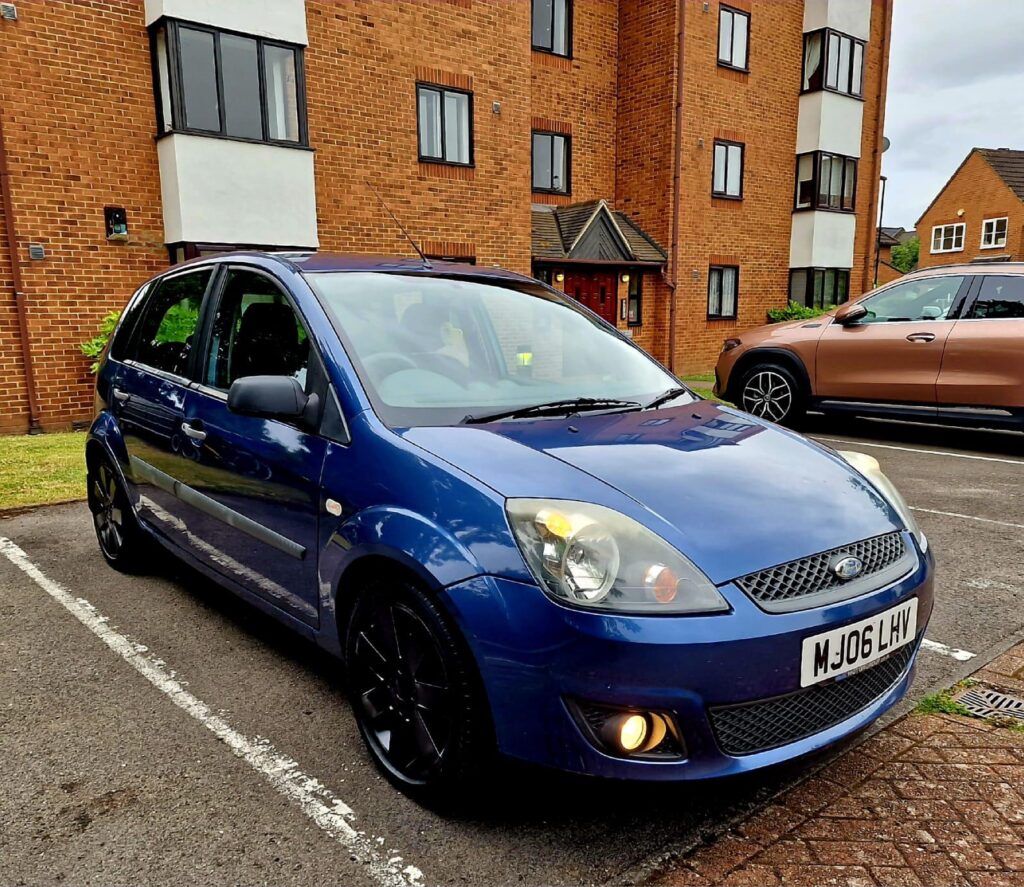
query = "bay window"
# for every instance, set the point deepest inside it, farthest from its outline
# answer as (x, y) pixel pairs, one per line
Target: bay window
(819, 287)
(834, 62)
(826, 181)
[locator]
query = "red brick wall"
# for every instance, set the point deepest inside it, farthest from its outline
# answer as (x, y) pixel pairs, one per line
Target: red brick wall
(977, 190)
(79, 124)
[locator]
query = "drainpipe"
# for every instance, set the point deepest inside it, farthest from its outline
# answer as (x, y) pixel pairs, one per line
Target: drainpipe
(673, 281)
(879, 121)
(19, 289)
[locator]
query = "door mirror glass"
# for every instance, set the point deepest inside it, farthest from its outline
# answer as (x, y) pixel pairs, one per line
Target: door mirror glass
(272, 397)
(851, 313)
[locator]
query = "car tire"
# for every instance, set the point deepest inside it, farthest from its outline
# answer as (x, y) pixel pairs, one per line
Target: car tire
(771, 391)
(416, 694)
(123, 543)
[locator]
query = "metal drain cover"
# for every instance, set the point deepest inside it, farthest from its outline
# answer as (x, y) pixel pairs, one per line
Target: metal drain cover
(988, 702)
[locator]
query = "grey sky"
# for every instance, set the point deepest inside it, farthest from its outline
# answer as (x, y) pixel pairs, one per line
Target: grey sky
(956, 81)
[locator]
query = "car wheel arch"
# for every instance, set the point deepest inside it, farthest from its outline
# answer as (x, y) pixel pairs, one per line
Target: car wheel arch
(769, 355)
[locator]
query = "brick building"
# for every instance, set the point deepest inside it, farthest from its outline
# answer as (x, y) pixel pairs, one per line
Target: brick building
(978, 216)
(679, 166)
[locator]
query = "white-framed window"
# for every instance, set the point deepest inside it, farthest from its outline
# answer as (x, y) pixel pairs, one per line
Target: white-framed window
(948, 238)
(993, 233)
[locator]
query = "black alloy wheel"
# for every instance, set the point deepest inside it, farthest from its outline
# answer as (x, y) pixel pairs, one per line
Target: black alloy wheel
(122, 543)
(413, 691)
(771, 392)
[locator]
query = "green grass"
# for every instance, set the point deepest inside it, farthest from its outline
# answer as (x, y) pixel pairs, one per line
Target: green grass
(39, 469)
(944, 703)
(699, 377)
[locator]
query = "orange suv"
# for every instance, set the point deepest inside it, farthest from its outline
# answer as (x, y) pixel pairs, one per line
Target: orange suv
(938, 345)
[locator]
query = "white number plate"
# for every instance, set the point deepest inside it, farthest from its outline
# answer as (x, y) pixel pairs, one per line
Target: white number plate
(851, 647)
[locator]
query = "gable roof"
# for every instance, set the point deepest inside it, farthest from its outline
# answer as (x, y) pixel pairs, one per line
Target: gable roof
(889, 236)
(591, 231)
(1007, 163)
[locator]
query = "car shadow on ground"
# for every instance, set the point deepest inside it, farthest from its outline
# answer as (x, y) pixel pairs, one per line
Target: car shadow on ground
(911, 434)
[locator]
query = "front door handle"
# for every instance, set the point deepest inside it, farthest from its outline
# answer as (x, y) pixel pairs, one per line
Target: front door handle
(921, 337)
(192, 432)
(119, 395)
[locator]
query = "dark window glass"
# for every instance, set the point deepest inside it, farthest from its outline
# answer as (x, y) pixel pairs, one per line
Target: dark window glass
(733, 37)
(552, 25)
(993, 233)
(211, 81)
(255, 332)
(635, 307)
(168, 327)
(550, 162)
(833, 61)
(819, 287)
(445, 125)
(1000, 297)
(727, 172)
(826, 181)
(723, 285)
(199, 79)
(239, 59)
(120, 348)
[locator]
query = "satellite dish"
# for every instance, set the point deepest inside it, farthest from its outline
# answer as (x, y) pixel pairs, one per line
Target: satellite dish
(885, 144)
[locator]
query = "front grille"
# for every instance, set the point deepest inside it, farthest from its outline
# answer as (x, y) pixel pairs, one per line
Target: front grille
(780, 588)
(768, 723)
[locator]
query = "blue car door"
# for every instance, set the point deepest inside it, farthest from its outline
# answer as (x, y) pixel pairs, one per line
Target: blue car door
(256, 483)
(149, 396)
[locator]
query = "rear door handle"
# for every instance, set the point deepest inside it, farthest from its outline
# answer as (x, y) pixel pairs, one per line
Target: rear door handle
(119, 395)
(921, 337)
(192, 432)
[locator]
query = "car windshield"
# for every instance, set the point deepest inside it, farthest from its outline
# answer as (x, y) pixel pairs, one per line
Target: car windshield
(436, 350)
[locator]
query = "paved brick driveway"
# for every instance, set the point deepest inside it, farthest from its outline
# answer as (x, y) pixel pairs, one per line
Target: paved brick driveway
(932, 800)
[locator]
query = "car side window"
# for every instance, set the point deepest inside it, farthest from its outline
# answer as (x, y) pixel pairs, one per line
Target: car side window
(168, 327)
(930, 299)
(255, 332)
(120, 345)
(999, 297)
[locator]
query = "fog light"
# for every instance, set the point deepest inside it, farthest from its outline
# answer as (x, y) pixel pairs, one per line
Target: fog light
(632, 732)
(629, 734)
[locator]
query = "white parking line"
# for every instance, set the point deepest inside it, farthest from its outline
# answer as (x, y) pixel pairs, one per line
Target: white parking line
(861, 443)
(984, 520)
(953, 652)
(318, 802)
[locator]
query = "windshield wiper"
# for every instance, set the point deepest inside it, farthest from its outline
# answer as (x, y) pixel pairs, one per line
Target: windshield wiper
(554, 408)
(666, 396)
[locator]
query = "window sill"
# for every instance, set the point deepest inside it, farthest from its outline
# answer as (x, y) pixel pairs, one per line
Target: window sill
(732, 198)
(727, 67)
(567, 56)
(993, 246)
(550, 192)
(849, 95)
(731, 317)
(825, 209)
(434, 161)
(217, 135)
(939, 252)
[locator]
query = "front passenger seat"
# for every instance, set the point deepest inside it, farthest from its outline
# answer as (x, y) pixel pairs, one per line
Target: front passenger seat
(267, 343)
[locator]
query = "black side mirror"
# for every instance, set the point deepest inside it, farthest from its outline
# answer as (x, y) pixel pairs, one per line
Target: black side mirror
(273, 397)
(849, 314)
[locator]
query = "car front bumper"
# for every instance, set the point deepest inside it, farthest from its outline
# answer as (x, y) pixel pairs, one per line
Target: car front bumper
(534, 654)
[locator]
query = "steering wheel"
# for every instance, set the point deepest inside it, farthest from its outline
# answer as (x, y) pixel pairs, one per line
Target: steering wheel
(387, 363)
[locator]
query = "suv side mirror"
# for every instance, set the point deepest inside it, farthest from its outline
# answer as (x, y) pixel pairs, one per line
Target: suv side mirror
(850, 314)
(272, 397)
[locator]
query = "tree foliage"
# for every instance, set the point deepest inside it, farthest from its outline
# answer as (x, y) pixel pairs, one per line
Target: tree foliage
(795, 311)
(904, 255)
(95, 346)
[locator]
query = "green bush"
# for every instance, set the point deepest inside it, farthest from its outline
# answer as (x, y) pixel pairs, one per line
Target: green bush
(94, 347)
(795, 311)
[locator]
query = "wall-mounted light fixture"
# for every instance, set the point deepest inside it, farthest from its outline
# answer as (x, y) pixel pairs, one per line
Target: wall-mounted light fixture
(696, 274)
(560, 277)
(625, 278)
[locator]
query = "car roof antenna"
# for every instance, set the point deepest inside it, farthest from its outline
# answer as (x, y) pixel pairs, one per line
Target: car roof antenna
(394, 218)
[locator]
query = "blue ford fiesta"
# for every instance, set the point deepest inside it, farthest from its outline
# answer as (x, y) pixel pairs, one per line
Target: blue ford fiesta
(517, 530)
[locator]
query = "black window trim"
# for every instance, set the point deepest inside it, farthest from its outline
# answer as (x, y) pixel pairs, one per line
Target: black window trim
(722, 195)
(746, 54)
(426, 158)
(568, 162)
(811, 269)
(177, 98)
(638, 276)
(816, 183)
(825, 32)
(736, 295)
(549, 50)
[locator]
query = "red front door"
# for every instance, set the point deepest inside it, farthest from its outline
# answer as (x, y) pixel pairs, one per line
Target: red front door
(595, 290)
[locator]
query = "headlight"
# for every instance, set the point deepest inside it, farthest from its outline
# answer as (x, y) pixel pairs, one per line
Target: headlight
(868, 466)
(594, 557)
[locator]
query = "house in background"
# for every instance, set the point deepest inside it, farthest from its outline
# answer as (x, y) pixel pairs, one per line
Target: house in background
(887, 239)
(678, 166)
(978, 216)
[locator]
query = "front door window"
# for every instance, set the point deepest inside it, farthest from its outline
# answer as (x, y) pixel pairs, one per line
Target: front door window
(930, 299)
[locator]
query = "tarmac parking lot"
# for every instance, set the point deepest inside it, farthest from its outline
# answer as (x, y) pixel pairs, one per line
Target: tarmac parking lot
(154, 729)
